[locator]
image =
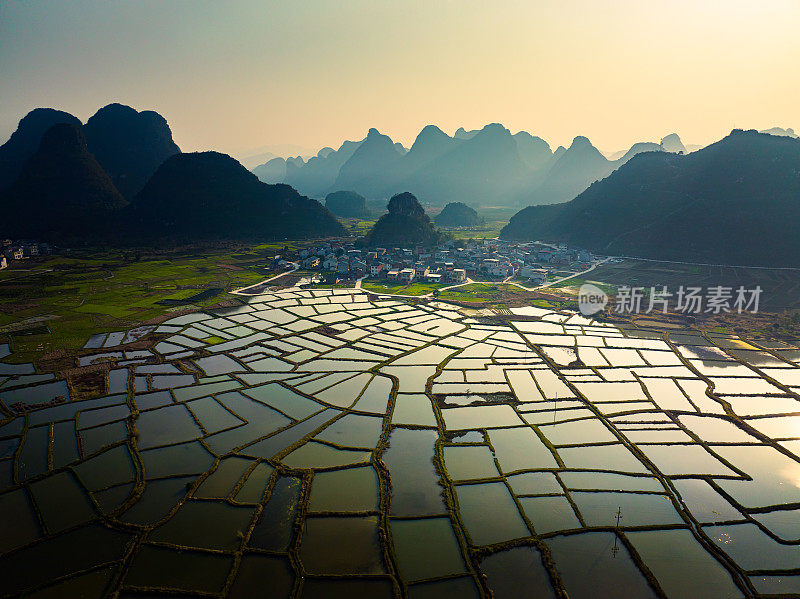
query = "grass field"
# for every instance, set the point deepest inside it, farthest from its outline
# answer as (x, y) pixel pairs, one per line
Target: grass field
(356, 226)
(486, 292)
(58, 302)
(412, 289)
(91, 292)
(485, 231)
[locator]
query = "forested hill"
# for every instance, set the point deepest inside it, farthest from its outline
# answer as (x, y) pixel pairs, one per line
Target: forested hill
(736, 202)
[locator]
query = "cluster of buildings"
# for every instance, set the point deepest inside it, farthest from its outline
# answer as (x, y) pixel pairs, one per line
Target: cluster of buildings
(450, 262)
(11, 250)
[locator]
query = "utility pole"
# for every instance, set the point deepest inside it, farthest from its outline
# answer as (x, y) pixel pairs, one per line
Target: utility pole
(555, 407)
(615, 548)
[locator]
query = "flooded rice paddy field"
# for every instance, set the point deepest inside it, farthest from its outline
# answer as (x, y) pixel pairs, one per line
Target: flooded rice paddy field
(334, 444)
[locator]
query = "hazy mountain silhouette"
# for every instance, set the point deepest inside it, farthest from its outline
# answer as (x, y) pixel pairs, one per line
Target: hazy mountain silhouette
(734, 202)
(406, 224)
(457, 214)
(24, 142)
(320, 173)
(374, 162)
(347, 204)
(129, 145)
(255, 160)
(573, 171)
(669, 143)
(673, 143)
(557, 154)
(277, 170)
(272, 171)
(480, 169)
(638, 148)
(462, 133)
(486, 166)
(430, 144)
(533, 151)
(210, 195)
(316, 177)
(437, 167)
(258, 156)
(780, 132)
(293, 165)
(61, 192)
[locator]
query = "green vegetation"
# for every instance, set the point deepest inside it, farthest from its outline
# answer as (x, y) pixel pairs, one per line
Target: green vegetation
(496, 213)
(474, 292)
(732, 202)
(412, 289)
(491, 222)
(94, 291)
(484, 293)
(280, 246)
(540, 303)
(348, 204)
(457, 214)
(357, 227)
(405, 224)
(485, 231)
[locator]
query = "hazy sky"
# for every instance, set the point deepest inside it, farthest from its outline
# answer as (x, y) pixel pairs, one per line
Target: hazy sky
(237, 75)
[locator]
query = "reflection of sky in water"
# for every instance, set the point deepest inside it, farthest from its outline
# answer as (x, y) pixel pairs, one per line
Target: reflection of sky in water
(267, 402)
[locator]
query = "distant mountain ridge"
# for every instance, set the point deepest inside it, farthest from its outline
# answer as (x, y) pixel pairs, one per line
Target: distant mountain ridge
(375, 161)
(68, 182)
(736, 201)
(779, 131)
(488, 166)
(673, 143)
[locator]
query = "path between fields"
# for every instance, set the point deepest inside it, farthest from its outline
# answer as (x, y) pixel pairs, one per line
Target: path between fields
(357, 284)
(28, 272)
(506, 281)
(708, 264)
(562, 279)
(243, 290)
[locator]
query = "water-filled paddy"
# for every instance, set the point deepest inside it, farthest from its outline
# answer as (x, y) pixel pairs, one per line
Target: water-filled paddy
(597, 564)
(349, 490)
(514, 569)
(339, 444)
(469, 462)
(426, 548)
(549, 514)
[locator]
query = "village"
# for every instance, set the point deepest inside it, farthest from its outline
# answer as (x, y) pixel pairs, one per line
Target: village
(451, 262)
(11, 250)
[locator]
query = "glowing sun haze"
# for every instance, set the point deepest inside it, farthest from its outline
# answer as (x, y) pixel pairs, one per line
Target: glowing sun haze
(237, 75)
